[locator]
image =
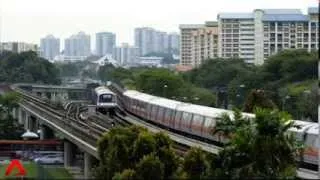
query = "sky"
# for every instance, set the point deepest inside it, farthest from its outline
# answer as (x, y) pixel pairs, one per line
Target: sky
(30, 20)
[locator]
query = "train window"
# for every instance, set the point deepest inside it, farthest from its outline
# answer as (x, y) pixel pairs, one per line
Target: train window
(209, 124)
(310, 139)
(185, 121)
(167, 116)
(197, 122)
(154, 112)
(148, 111)
(160, 114)
(103, 98)
(177, 119)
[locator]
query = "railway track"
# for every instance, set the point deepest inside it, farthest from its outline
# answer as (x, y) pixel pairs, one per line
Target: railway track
(91, 132)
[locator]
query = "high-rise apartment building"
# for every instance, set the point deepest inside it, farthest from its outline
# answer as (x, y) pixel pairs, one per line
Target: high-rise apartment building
(186, 31)
(125, 54)
(255, 36)
(18, 47)
(105, 42)
(77, 45)
(174, 43)
(150, 40)
(49, 47)
(204, 43)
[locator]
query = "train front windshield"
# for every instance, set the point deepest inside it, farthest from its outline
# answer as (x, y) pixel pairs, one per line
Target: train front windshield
(104, 98)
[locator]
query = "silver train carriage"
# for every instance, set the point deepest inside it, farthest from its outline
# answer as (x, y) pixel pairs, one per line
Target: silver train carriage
(200, 120)
(104, 99)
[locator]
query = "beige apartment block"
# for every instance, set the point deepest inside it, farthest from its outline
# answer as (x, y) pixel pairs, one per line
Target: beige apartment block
(204, 43)
(252, 37)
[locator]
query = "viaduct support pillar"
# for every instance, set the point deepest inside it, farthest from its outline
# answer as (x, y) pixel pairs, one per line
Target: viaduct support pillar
(20, 115)
(26, 121)
(87, 165)
(67, 153)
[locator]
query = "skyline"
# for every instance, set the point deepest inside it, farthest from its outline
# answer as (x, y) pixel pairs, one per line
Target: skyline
(19, 18)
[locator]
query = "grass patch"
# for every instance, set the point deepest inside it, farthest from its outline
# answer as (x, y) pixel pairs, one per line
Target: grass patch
(58, 173)
(36, 171)
(31, 171)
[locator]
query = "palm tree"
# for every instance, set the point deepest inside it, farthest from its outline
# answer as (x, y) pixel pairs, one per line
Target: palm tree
(259, 147)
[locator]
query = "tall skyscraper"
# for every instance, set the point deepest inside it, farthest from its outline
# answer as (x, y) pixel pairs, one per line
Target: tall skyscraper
(49, 47)
(105, 42)
(77, 45)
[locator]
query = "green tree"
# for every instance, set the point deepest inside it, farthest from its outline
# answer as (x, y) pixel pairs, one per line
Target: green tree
(258, 98)
(150, 167)
(125, 147)
(27, 67)
(9, 127)
(261, 148)
(195, 164)
(145, 144)
(127, 174)
(166, 154)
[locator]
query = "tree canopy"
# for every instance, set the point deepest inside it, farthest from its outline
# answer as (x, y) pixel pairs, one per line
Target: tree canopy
(260, 147)
(277, 77)
(27, 67)
(133, 152)
(9, 127)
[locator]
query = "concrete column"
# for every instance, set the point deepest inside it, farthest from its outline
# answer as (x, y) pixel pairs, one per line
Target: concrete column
(27, 120)
(87, 165)
(42, 132)
(53, 96)
(67, 153)
(13, 113)
(20, 116)
(43, 95)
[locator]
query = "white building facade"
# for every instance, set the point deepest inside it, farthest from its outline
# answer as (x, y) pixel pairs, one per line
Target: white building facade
(18, 47)
(149, 40)
(49, 47)
(125, 54)
(78, 45)
(105, 42)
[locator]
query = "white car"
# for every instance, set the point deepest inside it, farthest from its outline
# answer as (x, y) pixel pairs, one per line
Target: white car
(49, 159)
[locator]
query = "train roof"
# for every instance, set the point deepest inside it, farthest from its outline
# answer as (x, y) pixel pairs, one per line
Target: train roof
(314, 129)
(103, 90)
(152, 99)
(173, 104)
(303, 126)
(206, 111)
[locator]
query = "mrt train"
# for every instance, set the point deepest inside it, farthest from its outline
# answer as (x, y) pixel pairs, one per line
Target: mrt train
(199, 121)
(104, 99)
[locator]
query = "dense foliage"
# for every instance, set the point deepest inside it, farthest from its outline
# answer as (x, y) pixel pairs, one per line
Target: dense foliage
(27, 67)
(159, 82)
(287, 79)
(133, 152)
(9, 127)
(259, 147)
(83, 69)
